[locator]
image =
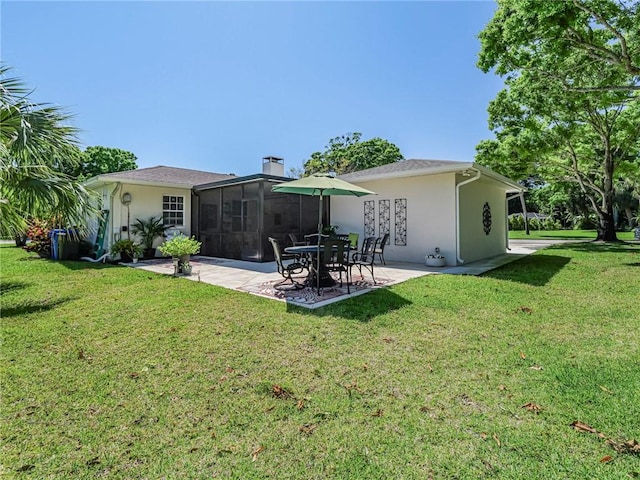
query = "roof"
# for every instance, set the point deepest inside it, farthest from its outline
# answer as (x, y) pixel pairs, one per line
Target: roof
(238, 180)
(161, 175)
(417, 167)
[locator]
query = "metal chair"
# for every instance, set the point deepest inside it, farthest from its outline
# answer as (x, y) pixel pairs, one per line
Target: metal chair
(335, 258)
(365, 257)
(312, 238)
(286, 270)
(380, 248)
(294, 240)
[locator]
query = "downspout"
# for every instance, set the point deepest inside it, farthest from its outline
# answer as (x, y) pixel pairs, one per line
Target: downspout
(466, 182)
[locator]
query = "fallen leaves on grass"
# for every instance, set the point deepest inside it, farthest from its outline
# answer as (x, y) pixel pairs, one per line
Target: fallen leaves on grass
(308, 428)
(256, 452)
(605, 389)
(532, 407)
(134, 375)
(606, 458)
(497, 439)
(378, 413)
(300, 404)
(278, 392)
(523, 309)
(522, 355)
(624, 446)
(83, 356)
(536, 367)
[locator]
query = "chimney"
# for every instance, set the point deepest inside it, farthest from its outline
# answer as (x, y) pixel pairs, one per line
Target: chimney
(273, 166)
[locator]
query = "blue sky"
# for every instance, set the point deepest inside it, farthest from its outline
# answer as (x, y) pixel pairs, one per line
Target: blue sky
(218, 85)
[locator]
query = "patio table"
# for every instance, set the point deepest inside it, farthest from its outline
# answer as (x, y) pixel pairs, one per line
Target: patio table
(326, 280)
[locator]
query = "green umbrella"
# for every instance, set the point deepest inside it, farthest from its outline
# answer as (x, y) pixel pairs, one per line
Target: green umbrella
(321, 185)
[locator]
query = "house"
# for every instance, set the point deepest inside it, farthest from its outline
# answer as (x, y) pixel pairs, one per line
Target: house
(232, 216)
(156, 191)
(457, 209)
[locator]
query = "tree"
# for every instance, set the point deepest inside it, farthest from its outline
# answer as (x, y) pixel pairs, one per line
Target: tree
(560, 115)
(346, 153)
(603, 32)
(35, 140)
(97, 160)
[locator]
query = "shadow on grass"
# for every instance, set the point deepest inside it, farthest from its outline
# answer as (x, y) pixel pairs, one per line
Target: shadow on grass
(595, 247)
(535, 270)
(8, 287)
(33, 306)
(362, 308)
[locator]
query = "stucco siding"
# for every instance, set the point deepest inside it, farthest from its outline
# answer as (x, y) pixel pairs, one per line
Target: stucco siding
(146, 201)
(475, 244)
(430, 215)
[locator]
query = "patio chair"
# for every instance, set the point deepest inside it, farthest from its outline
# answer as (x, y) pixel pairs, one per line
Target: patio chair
(294, 240)
(353, 240)
(380, 248)
(312, 238)
(335, 258)
(286, 270)
(365, 257)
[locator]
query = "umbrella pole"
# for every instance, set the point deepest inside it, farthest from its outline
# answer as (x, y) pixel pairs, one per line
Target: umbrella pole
(319, 237)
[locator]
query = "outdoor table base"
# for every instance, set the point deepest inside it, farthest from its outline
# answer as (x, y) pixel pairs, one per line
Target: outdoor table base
(326, 280)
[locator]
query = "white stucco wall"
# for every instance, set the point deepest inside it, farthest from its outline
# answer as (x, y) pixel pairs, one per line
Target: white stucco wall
(475, 244)
(430, 215)
(146, 202)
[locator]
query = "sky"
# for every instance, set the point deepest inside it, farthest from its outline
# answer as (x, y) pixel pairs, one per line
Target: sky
(216, 86)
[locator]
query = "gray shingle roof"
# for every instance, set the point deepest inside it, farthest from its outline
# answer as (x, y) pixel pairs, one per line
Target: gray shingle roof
(405, 166)
(162, 174)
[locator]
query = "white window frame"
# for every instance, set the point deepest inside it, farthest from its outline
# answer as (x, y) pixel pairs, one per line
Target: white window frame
(167, 210)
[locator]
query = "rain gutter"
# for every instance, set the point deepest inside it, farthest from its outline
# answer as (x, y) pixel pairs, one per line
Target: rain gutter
(466, 182)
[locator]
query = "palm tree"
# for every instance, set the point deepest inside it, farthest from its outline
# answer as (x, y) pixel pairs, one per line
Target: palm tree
(35, 142)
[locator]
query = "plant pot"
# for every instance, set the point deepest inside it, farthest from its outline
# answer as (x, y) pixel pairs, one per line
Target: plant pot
(149, 253)
(125, 257)
(186, 269)
(435, 262)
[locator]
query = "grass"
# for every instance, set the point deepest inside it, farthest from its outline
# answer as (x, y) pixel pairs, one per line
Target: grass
(109, 372)
(564, 235)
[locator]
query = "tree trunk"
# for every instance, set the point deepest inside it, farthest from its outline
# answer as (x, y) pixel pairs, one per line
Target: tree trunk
(607, 227)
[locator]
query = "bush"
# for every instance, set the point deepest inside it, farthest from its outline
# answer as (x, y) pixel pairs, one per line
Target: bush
(180, 245)
(38, 232)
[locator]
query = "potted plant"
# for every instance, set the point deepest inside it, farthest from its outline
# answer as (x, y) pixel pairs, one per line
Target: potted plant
(180, 248)
(435, 259)
(186, 268)
(127, 249)
(149, 230)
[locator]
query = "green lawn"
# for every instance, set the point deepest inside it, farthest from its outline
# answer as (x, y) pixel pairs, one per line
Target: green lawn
(564, 235)
(110, 372)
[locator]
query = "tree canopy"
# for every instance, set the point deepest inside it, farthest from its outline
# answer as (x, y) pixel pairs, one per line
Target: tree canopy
(36, 142)
(98, 160)
(347, 153)
(569, 111)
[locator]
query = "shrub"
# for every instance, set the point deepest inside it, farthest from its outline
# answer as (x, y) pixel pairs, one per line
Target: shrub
(38, 232)
(180, 245)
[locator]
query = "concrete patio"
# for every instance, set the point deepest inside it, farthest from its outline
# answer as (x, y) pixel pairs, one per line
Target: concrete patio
(259, 278)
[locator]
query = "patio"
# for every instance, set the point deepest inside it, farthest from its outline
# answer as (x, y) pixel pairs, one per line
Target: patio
(259, 278)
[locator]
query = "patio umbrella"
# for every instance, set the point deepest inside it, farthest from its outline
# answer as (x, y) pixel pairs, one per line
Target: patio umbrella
(321, 185)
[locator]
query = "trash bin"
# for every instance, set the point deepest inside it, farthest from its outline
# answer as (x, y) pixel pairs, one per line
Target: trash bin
(65, 244)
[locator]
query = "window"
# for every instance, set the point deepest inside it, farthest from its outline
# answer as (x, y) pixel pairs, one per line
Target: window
(173, 210)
